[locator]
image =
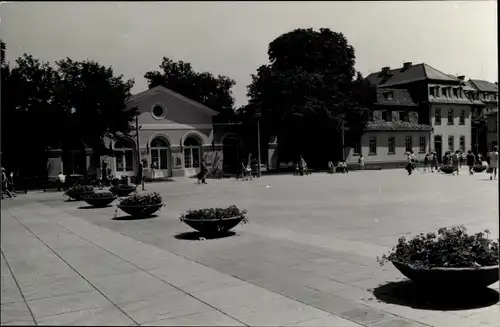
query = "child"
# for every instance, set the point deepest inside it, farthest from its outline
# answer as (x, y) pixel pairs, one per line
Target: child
(493, 163)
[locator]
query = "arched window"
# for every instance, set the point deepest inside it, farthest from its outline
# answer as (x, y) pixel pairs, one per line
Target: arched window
(192, 150)
(124, 155)
(159, 153)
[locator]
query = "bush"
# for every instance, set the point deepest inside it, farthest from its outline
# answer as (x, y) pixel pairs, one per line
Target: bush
(214, 213)
(141, 199)
(450, 248)
(103, 195)
(80, 189)
(122, 187)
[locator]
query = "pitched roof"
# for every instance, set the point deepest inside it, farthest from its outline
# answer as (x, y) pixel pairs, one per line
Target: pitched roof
(163, 89)
(414, 73)
(484, 86)
(394, 97)
(469, 86)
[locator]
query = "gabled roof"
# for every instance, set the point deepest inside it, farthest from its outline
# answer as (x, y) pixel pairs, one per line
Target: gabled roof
(399, 97)
(484, 86)
(163, 89)
(468, 86)
(414, 73)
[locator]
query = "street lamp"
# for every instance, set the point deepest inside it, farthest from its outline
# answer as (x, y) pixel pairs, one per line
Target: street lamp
(258, 116)
(138, 149)
(342, 116)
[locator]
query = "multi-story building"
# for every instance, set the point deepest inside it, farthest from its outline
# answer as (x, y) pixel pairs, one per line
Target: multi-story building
(393, 131)
(492, 129)
(440, 102)
(484, 96)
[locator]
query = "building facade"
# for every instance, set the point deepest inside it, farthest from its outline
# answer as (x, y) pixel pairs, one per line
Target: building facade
(440, 102)
(393, 131)
(492, 129)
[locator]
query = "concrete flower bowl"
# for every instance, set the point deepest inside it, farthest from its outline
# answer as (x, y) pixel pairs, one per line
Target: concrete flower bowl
(140, 211)
(99, 201)
(479, 169)
(450, 277)
(447, 170)
(78, 196)
(213, 226)
(122, 191)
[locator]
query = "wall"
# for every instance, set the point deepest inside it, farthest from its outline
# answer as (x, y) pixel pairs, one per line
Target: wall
(492, 134)
(454, 130)
(383, 155)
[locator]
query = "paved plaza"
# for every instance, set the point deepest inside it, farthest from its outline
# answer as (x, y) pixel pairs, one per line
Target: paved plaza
(307, 257)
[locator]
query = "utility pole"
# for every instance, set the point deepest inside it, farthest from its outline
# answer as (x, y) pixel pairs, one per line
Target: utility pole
(258, 146)
(343, 137)
(138, 150)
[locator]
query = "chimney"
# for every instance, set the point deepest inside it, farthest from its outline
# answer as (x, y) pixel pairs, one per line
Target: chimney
(496, 83)
(461, 77)
(407, 65)
(385, 69)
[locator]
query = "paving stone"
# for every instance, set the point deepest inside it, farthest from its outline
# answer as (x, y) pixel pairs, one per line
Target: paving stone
(449, 319)
(491, 316)
(364, 315)
(15, 312)
(65, 303)
(10, 296)
(212, 318)
(328, 321)
(397, 322)
(108, 315)
(163, 307)
(57, 287)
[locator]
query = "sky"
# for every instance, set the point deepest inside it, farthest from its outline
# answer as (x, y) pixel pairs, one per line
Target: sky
(231, 38)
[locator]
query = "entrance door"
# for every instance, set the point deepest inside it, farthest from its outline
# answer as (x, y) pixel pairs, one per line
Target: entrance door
(438, 147)
(230, 155)
(160, 157)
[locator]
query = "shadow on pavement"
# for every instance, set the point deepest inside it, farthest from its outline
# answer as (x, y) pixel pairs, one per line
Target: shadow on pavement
(197, 236)
(407, 293)
(128, 217)
(92, 207)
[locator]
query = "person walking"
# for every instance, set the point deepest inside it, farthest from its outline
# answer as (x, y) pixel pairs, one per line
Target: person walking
(434, 162)
(471, 160)
(409, 165)
(493, 166)
(361, 162)
(203, 172)
(426, 162)
(455, 161)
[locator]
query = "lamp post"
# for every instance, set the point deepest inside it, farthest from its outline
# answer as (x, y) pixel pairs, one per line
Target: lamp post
(257, 115)
(342, 128)
(137, 128)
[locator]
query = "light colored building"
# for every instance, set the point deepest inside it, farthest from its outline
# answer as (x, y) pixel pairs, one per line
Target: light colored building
(441, 103)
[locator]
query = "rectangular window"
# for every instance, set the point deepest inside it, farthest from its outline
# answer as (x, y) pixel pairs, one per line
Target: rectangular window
(450, 116)
(129, 160)
(403, 116)
(422, 144)
(455, 93)
(451, 143)
(437, 116)
(120, 165)
(187, 158)
(373, 145)
(462, 143)
(391, 144)
(357, 147)
(462, 117)
(431, 90)
(408, 144)
(386, 115)
(444, 92)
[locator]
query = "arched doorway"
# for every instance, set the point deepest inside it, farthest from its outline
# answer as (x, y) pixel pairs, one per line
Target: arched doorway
(160, 157)
(124, 157)
(230, 155)
(74, 157)
(192, 155)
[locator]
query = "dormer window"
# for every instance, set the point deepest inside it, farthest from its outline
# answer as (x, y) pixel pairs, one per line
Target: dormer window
(388, 95)
(431, 90)
(444, 92)
(455, 92)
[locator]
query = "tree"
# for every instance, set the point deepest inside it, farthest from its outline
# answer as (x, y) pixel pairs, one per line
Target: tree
(213, 92)
(92, 100)
(46, 107)
(306, 92)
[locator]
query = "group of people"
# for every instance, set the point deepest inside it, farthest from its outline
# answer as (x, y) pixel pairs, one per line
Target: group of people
(340, 167)
(454, 160)
(8, 184)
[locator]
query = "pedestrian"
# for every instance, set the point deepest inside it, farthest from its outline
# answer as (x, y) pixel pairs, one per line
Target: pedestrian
(455, 160)
(426, 162)
(493, 165)
(140, 174)
(203, 172)
(434, 162)
(330, 167)
(471, 160)
(409, 165)
(361, 162)
(301, 166)
(5, 184)
(414, 160)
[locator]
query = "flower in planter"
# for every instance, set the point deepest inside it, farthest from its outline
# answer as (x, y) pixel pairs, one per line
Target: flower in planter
(215, 213)
(138, 199)
(103, 195)
(122, 187)
(449, 248)
(80, 189)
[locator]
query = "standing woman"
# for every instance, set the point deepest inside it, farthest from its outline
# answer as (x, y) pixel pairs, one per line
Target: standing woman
(361, 162)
